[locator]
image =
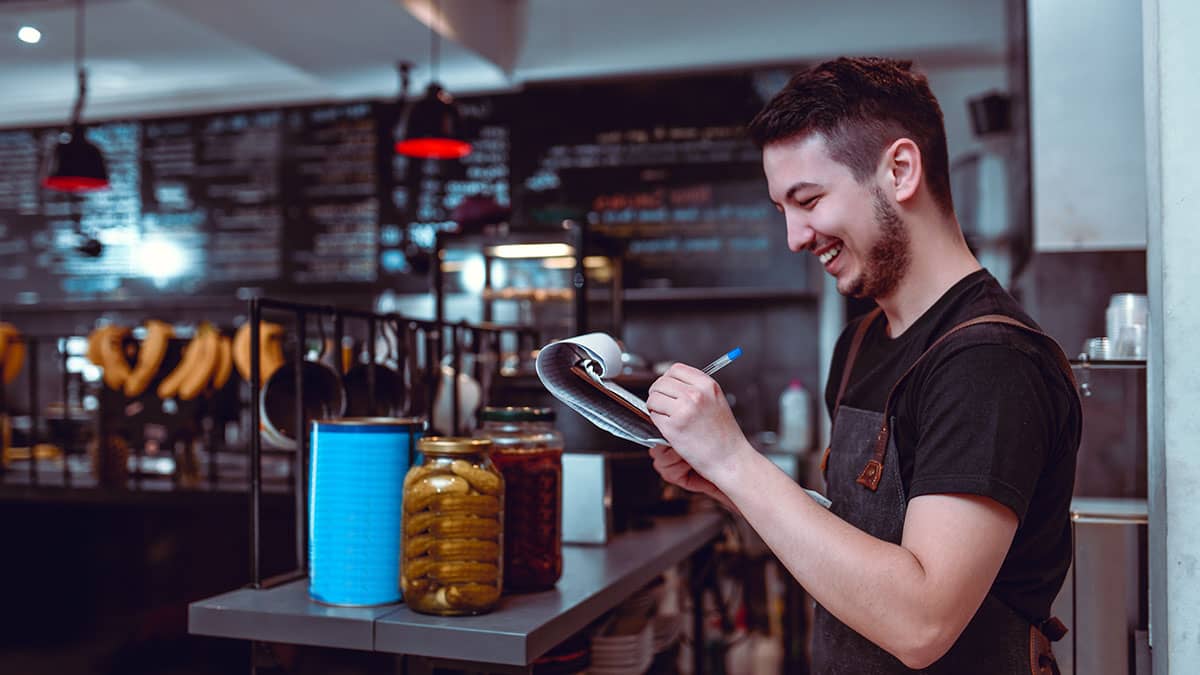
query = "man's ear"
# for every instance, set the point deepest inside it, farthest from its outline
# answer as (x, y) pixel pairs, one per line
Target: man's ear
(902, 169)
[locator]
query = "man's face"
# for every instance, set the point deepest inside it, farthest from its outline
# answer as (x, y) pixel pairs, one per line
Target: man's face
(852, 228)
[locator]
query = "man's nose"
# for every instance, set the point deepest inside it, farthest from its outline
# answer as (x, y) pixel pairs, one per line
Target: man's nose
(800, 235)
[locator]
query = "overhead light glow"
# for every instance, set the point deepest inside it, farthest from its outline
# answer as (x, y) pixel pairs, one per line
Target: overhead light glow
(162, 260)
(473, 274)
(568, 262)
(532, 250)
(29, 35)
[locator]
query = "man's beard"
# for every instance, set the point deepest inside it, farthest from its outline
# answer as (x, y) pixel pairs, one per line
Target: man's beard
(889, 258)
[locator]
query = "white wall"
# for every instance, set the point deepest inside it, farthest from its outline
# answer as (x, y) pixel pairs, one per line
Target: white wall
(1086, 125)
(954, 86)
(1172, 101)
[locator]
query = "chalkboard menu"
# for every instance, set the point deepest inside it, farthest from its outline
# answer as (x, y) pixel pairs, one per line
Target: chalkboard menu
(41, 231)
(331, 187)
(313, 197)
(667, 176)
(210, 187)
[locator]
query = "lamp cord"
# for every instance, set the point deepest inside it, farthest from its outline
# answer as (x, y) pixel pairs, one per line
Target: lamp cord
(433, 45)
(79, 64)
(403, 67)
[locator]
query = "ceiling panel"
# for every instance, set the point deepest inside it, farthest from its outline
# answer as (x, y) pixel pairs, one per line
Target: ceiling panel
(162, 56)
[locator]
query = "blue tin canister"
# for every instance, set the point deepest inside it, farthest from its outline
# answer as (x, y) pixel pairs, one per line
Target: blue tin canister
(354, 508)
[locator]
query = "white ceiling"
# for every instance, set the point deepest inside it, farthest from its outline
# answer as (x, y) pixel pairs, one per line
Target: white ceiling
(148, 57)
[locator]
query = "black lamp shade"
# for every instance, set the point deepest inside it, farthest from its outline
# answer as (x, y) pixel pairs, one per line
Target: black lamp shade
(76, 166)
(431, 128)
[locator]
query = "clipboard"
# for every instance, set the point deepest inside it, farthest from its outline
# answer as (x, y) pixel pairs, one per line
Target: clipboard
(581, 371)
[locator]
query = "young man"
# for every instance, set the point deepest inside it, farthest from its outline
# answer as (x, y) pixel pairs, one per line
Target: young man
(955, 420)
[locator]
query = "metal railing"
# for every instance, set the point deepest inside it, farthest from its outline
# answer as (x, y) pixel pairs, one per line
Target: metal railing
(420, 348)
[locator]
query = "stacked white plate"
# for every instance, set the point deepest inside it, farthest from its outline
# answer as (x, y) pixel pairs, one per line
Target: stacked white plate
(643, 603)
(623, 654)
(666, 631)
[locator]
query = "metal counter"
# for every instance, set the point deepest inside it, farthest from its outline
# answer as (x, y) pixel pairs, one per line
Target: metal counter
(595, 579)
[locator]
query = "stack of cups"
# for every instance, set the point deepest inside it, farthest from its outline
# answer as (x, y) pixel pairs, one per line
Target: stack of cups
(1126, 321)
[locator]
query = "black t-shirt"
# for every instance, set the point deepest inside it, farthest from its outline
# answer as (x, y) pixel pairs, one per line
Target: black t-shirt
(987, 413)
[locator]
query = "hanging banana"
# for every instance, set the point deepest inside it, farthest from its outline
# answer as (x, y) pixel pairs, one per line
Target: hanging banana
(208, 341)
(170, 384)
(12, 351)
(190, 361)
(150, 357)
(224, 363)
(110, 354)
(270, 349)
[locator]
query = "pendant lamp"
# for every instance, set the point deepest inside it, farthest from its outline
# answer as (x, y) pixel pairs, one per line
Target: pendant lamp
(431, 127)
(77, 165)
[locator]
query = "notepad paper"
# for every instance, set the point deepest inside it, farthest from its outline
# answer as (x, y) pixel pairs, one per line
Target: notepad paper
(578, 371)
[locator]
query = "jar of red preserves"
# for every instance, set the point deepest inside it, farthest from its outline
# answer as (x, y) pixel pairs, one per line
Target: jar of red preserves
(527, 450)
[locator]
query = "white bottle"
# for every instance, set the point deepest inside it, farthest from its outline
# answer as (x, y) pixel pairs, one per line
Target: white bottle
(795, 418)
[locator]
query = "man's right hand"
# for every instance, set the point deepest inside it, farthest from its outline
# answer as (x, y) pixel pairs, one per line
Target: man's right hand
(676, 471)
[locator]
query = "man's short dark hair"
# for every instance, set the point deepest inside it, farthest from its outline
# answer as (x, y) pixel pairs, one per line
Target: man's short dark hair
(861, 106)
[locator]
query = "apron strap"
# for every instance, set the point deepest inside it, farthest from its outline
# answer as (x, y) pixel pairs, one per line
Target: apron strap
(855, 344)
(872, 473)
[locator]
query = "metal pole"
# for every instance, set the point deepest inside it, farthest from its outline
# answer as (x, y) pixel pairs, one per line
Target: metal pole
(300, 463)
(255, 444)
(371, 365)
(35, 417)
(66, 397)
(455, 423)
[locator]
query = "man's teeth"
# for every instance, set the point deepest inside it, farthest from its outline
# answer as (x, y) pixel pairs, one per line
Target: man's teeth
(829, 255)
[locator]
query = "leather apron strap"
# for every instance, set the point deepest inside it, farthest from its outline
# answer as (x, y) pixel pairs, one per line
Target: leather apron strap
(855, 344)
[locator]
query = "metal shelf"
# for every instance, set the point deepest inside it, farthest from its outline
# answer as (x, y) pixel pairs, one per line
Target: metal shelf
(1109, 364)
(595, 579)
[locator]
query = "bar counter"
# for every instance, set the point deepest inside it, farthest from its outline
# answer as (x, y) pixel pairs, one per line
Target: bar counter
(523, 627)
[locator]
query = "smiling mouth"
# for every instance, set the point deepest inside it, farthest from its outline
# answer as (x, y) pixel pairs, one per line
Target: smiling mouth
(829, 255)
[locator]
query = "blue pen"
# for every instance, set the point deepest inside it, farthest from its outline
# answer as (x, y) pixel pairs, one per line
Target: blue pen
(723, 360)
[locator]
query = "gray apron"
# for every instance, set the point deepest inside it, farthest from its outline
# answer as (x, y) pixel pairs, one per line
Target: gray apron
(862, 472)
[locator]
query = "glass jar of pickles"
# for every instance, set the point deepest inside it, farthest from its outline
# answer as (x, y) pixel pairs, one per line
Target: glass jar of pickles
(452, 541)
(528, 451)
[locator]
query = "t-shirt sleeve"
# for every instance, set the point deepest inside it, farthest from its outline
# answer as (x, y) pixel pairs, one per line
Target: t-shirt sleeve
(986, 427)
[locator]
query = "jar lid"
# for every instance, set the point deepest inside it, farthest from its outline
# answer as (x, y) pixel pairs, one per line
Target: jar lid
(372, 422)
(516, 414)
(453, 445)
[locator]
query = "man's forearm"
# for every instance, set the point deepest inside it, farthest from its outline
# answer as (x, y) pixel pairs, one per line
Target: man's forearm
(877, 588)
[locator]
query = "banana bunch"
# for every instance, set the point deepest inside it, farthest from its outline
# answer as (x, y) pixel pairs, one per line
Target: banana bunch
(149, 358)
(200, 367)
(270, 349)
(12, 352)
(106, 348)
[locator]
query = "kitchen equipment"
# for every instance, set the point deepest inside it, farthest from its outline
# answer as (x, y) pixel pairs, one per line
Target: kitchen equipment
(355, 506)
(528, 451)
(1097, 348)
(469, 396)
(1125, 321)
(324, 398)
(587, 498)
(453, 528)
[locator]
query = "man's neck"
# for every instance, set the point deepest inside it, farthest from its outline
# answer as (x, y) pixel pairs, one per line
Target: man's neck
(936, 264)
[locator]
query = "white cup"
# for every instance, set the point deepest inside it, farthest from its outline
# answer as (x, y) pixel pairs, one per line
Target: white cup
(1131, 342)
(1125, 309)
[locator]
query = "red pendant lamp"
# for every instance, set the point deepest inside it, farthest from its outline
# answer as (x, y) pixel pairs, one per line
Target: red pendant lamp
(431, 127)
(77, 165)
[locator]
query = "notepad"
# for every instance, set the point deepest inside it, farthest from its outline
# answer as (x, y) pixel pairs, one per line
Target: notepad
(578, 371)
